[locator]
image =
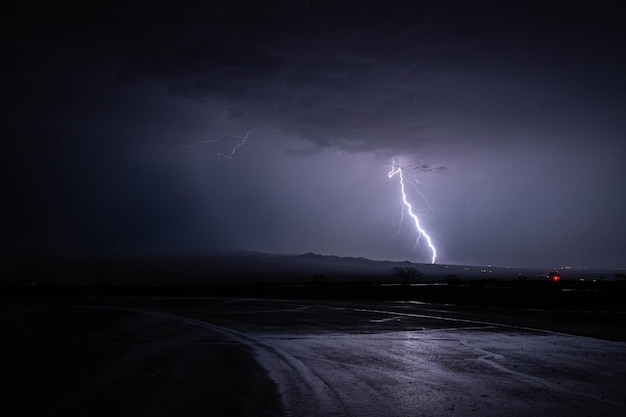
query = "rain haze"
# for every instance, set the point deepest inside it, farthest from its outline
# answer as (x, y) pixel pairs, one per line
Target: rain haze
(197, 127)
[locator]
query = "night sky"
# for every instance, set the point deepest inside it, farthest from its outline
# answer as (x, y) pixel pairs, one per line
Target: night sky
(511, 115)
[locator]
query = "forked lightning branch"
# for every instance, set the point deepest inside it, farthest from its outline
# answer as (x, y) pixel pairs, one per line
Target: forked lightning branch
(396, 170)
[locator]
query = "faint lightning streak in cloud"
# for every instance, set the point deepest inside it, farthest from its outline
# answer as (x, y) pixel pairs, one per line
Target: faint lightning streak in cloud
(227, 155)
(399, 221)
(397, 170)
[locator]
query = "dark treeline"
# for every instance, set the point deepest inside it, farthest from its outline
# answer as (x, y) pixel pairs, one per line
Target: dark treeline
(587, 295)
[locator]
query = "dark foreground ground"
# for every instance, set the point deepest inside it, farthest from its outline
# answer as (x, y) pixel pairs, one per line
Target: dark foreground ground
(607, 295)
(313, 351)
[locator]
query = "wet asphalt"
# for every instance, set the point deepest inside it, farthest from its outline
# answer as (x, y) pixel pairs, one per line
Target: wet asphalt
(188, 356)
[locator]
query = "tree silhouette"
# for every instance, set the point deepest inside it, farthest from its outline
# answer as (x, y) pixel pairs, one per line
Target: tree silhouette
(405, 274)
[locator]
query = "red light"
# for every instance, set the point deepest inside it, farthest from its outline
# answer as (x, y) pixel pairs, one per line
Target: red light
(555, 277)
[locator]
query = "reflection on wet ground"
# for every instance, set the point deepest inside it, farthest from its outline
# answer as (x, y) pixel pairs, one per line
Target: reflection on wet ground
(155, 356)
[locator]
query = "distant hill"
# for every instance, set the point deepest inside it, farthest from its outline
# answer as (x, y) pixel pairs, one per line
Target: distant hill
(255, 267)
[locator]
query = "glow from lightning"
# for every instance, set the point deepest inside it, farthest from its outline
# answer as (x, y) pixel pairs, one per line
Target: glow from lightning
(228, 155)
(414, 183)
(397, 170)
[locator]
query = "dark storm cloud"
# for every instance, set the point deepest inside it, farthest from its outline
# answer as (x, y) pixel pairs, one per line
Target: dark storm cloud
(427, 168)
(375, 75)
(366, 75)
(329, 73)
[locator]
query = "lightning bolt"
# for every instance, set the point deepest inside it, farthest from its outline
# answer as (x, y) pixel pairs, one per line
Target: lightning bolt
(397, 170)
(227, 155)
